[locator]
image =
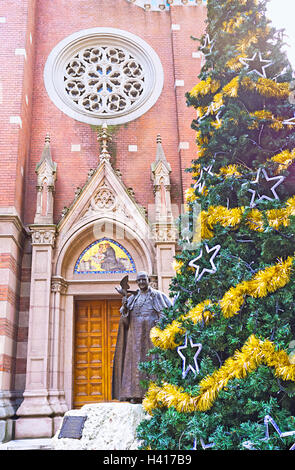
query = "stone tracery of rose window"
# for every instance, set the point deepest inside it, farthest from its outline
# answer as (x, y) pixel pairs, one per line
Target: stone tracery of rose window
(104, 80)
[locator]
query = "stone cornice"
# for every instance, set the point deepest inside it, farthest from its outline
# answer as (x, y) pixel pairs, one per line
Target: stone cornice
(12, 227)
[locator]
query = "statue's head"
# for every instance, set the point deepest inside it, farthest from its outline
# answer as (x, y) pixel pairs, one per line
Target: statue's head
(142, 280)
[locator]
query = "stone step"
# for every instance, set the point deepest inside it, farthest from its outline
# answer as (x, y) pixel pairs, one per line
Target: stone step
(27, 444)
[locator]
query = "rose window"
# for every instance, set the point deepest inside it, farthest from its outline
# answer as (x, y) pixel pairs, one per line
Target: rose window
(104, 80)
(103, 75)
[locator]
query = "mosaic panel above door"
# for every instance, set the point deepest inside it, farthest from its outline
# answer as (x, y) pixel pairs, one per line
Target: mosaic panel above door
(104, 256)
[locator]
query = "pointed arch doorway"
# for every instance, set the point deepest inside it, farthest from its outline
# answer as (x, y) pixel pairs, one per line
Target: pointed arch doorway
(96, 327)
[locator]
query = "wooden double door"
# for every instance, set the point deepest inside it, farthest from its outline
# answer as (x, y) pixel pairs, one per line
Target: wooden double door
(96, 329)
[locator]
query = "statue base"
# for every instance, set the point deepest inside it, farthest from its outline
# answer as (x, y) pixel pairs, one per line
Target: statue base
(109, 426)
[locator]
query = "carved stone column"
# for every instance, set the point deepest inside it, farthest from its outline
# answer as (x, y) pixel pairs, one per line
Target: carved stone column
(35, 411)
(165, 241)
(56, 361)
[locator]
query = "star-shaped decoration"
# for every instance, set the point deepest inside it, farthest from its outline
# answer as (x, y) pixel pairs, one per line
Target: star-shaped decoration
(269, 420)
(282, 72)
(200, 184)
(208, 44)
(259, 68)
(212, 109)
(213, 268)
(185, 369)
(218, 122)
(289, 122)
(277, 180)
(204, 446)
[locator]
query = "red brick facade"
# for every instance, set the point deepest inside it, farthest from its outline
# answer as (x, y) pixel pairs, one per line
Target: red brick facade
(29, 30)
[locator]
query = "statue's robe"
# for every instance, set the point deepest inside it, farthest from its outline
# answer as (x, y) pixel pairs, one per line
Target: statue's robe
(133, 343)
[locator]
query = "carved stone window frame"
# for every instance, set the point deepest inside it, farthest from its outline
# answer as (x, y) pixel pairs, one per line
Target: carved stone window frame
(65, 50)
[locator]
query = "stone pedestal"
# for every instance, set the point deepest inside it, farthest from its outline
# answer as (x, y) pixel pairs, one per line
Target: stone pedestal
(6, 430)
(109, 426)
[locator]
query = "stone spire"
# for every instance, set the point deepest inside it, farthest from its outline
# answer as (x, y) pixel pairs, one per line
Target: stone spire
(46, 176)
(46, 156)
(160, 154)
(161, 170)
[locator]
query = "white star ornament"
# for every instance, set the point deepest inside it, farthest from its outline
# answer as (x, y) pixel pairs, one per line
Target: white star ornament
(262, 68)
(213, 268)
(277, 180)
(186, 369)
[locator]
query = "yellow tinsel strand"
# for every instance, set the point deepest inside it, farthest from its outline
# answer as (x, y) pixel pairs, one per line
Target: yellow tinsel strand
(204, 87)
(230, 170)
(285, 158)
(218, 100)
(250, 39)
(275, 123)
(231, 25)
(267, 87)
(225, 217)
(199, 313)
(164, 339)
(277, 217)
(235, 64)
(177, 265)
(206, 228)
(264, 282)
(190, 195)
(216, 124)
(219, 214)
(290, 206)
(232, 217)
(254, 353)
(255, 220)
(232, 88)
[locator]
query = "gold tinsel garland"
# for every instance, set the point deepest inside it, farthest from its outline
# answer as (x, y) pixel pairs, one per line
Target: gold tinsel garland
(265, 86)
(264, 282)
(254, 353)
(254, 219)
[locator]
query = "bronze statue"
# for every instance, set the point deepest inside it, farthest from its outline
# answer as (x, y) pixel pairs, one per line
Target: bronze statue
(139, 313)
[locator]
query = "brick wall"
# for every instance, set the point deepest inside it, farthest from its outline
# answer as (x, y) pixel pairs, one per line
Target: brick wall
(16, 65)
(185, 23)
(169, 116)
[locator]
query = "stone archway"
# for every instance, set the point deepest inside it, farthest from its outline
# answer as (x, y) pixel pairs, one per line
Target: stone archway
(69, 287)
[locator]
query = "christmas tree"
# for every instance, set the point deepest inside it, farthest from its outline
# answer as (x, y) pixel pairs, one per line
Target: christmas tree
(224, 377)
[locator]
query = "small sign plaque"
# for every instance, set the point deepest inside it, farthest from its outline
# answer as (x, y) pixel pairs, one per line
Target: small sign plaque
(72, 427)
